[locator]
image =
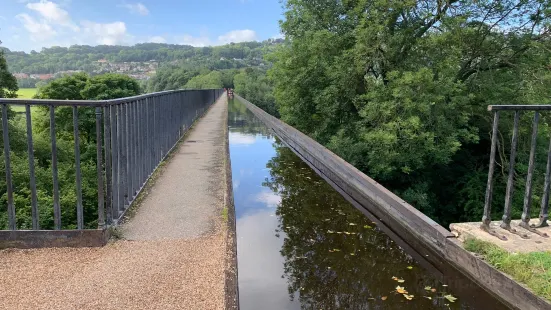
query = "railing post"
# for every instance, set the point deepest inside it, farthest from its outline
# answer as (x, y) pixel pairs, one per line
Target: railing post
(544, 213)
(525, 219)
(9, 187)
(108, 170)
(57, 206)
(506, 220)
(115, 162)
(99, 167)
(32, 181)
(486, 218)
(80, 211)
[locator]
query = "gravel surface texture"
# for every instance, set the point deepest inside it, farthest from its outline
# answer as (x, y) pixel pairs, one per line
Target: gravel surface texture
(174, 256)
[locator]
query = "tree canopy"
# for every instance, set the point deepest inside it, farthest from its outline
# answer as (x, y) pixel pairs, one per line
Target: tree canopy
(400, 88)
(8, 83)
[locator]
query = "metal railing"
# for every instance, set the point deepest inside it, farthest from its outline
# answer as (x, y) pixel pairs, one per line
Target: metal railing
(526, 211)
(133, 136)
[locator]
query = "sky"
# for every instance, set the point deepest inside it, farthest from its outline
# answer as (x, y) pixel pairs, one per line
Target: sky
(27, 25)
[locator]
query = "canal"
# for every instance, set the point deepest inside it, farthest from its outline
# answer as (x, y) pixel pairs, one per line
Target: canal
(301, 245)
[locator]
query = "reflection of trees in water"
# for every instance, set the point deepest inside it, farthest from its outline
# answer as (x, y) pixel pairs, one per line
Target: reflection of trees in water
(334, 257)
(243, 119)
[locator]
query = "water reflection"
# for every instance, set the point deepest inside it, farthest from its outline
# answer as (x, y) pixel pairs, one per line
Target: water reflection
(302, 246)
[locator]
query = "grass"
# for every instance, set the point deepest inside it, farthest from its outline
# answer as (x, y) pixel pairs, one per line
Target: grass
(532, 269)
(26, 93)
(225, 214)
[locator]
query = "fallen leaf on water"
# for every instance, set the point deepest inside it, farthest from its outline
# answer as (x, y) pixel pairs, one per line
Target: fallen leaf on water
(352, 224)
(408, 297)
(384, 298)
(394, 278)
(328, 267)
(450, 298)
(401, 290)
(428, 297)
(330, 231)
(410, 267)
(370, 298)
(339, 232)
(444, 285)
(347, 233)
(433, 290)
(331, 251)
(352, 254)
(367, 226)
(336, 250)
(428, 288)
(401, 280)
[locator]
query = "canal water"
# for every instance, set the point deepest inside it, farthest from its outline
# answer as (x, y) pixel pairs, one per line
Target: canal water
(301, 245)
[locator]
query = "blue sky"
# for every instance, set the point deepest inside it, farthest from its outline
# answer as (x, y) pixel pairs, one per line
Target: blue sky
(33, 24)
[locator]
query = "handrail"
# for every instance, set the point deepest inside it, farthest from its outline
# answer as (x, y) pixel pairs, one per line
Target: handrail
(90, 103)
(523, 107)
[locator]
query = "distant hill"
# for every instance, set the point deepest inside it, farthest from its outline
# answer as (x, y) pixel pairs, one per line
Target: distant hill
(146, 57)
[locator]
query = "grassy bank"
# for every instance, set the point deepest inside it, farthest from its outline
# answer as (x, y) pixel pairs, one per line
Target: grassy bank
(26, 93)
(532, 269)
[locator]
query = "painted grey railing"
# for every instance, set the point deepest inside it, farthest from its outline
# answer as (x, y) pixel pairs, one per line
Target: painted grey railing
(525, 218)
(133, 137)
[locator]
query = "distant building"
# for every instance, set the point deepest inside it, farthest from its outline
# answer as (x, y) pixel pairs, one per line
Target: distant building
(102, 61)
(42, 77)
(21, 75)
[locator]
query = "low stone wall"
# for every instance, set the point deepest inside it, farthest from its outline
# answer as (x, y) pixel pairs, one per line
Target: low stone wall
(28, 239)
(401, 219)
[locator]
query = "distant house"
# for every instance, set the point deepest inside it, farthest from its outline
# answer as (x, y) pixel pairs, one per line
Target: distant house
(42, 77)
(102, 61)
(21, 75)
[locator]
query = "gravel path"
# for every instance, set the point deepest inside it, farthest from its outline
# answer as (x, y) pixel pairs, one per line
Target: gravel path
(176, 255)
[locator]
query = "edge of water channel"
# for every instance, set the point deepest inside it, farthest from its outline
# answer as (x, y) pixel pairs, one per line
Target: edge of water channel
(437, 248)
(231, 277)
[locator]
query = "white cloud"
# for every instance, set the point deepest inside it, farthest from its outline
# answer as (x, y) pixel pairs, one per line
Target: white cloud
(237, 36)
(52, 13)
(106, 34)
(157, 39)
(38, 30)
(237, 138)
(269, 198)
(200, 41)
(136, 8)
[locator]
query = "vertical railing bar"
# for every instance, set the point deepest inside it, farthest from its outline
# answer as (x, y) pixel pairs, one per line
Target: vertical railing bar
(80, 215)
(99, 168)
(32, 179)
(506, 219)
(131, 152)
(544, 212)
(115, 181)
(124, 156)
(12, 224)
(487, 217)
(57, 206)
(525, 218)
(108, 168)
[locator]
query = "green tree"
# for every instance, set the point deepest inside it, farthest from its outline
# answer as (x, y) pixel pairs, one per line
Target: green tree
(212, 79)
(400, 88)
(8, 83)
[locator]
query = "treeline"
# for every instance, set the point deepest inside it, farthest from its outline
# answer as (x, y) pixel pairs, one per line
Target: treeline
(84, 57)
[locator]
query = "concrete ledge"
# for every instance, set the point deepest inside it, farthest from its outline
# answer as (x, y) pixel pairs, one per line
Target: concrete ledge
(28, 239)
(231, 275)
(438, 245)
